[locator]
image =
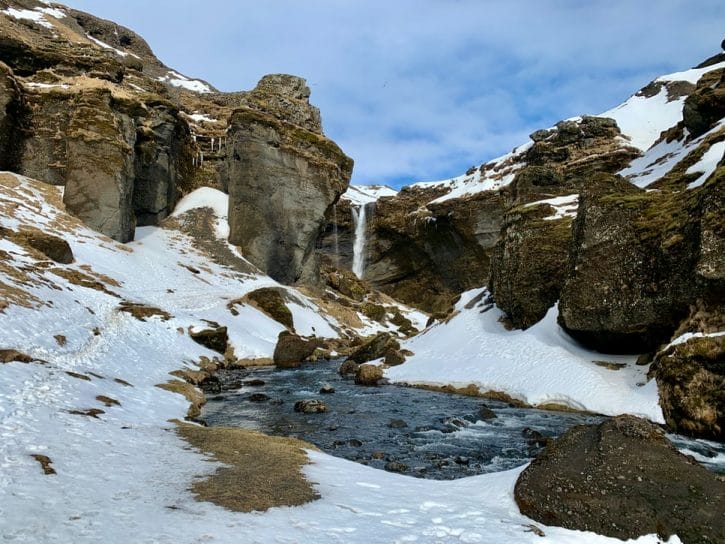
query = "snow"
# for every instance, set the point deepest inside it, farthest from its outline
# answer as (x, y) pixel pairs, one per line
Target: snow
(178, 80)
(707, 164)
(33, 85)
(29, 15)
(538, 366)
(689, 335)
(359, 195)
(201, 118)
(564, 206)
(106, 46)
(53, 12)
(643, 119)
(499, 173)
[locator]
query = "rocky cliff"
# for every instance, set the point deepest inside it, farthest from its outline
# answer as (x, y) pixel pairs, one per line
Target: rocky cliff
(85, 104)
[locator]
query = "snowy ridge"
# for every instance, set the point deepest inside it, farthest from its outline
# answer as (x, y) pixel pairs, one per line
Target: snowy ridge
(541, 365)
(359, 195)
(178, 80)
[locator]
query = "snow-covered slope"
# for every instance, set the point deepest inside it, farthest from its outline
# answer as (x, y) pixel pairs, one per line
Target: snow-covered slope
(359, 195)
(123, 471)
(641, 119)
(538, 366)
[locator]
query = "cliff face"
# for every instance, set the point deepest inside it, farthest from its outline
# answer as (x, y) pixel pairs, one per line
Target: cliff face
(283, 176)
(85, 104)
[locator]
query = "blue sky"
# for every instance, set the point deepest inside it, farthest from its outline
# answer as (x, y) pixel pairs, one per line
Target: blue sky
(419, 90)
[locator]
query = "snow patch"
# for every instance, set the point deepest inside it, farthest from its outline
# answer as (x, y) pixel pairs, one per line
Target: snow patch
(29, 15)
(106, 46)
(359, 195)
(707, 164)
(564, 206)
(178, 80)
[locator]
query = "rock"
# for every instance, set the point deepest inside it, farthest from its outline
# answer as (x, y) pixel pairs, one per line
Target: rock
(254, 383)
(355, 443)
(611, 479)
(326, 389)
(706, 105)
(312, 406)
(215, 339)
(272, 301)
(394, 466)
(368, 374)
(10, 106)
(534, 437)
(639, 259)
(276, 169)
(691, 381)
(291, 349)
(348, 368)
(397, 424)
(258, 397)
(485, 413)
(211, 384)
(375, 348)
(394, 358)
(53, 247)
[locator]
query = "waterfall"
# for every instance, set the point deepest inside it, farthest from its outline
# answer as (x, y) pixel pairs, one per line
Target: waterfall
(360, 221)
(334, 234)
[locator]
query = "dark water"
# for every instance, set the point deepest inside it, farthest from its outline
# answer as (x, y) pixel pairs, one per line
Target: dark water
(420, 433)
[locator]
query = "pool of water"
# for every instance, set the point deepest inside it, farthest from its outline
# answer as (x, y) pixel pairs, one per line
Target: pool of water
(416, 432)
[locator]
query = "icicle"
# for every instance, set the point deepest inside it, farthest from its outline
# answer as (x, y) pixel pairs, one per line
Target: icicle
(212, 145)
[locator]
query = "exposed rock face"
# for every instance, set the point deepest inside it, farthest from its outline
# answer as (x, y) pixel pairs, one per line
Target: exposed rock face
(375, 348)
(271, 301)
(691, 381)
(638, 261)
(623, 479)
(10, 98)
(282, 179)
(706, 106)
(215, 338)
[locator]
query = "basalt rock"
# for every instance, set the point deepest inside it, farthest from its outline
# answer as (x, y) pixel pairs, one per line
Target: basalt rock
(375, 348)
(623, 478)
(10, 105)
(691, 381)
(292, 350)
(705, 107)
(639, 259)
(283, 176)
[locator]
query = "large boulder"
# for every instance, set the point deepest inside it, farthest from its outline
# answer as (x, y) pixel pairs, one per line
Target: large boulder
(283, 176)
(292, 350)
(691, 381)
(623, 478)
(705, 107)
(638, 260)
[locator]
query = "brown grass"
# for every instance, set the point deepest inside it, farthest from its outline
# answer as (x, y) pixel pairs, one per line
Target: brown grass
(193, 395)
(142, 311)
(45, 463)
(108, 401)
(262, 472)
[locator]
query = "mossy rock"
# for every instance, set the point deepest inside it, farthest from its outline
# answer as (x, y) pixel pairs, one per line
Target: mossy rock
(376, 312)
(272, 301)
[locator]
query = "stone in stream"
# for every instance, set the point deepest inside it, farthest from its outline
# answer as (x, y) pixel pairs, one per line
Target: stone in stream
(623, 479)
(485, 413)
(326, 389)
(310, 406)
(394, 466)
(397, 424)
(258, 397)
(368, 374)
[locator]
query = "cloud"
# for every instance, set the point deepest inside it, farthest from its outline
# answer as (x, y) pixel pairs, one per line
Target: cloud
(423, 89)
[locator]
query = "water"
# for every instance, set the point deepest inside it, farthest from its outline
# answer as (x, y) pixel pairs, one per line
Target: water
(361, 217)
(421, 433)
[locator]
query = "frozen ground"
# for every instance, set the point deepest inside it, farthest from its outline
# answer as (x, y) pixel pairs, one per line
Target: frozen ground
(124, 475)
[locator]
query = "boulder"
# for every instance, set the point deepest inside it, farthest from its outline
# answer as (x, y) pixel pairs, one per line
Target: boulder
(215, 338)
(638, 260)
(283, 176)
(292, 350)
(368, 374)
(706, 105)
(310, 406)
(691, 381)
(375, 348)
(10, 105)
(53, 247)
(623, 479)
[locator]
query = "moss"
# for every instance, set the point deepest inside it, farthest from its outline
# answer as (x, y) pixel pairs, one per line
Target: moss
(376, 312)
(271, 301)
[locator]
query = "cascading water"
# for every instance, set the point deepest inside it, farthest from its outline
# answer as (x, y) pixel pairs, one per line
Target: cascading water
(359, 219)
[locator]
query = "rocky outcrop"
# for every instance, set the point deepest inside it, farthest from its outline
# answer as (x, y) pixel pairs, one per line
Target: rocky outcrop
(706, 105)
(10, 104)
(639, 259)
(272, 301)
(691, 381)
(283, 176)
(611, 479)
(377, 347)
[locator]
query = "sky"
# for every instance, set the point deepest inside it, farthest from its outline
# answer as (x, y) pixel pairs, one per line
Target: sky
(420, 90)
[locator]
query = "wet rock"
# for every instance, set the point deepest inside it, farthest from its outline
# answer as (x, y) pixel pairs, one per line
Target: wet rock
(368, 374)
(326, 389)
(691, 381)
(534, 438)
(485, 413)
(291, 349)
(611, 479)
(397, 424)
(258, 397)
(348, 369)
(211, 384)
(280, 165)
(254, 383)
(311, 406)
(355, 443)
(215, 338)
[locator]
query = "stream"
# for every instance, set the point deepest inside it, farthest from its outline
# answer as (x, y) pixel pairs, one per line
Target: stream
(403, 429)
